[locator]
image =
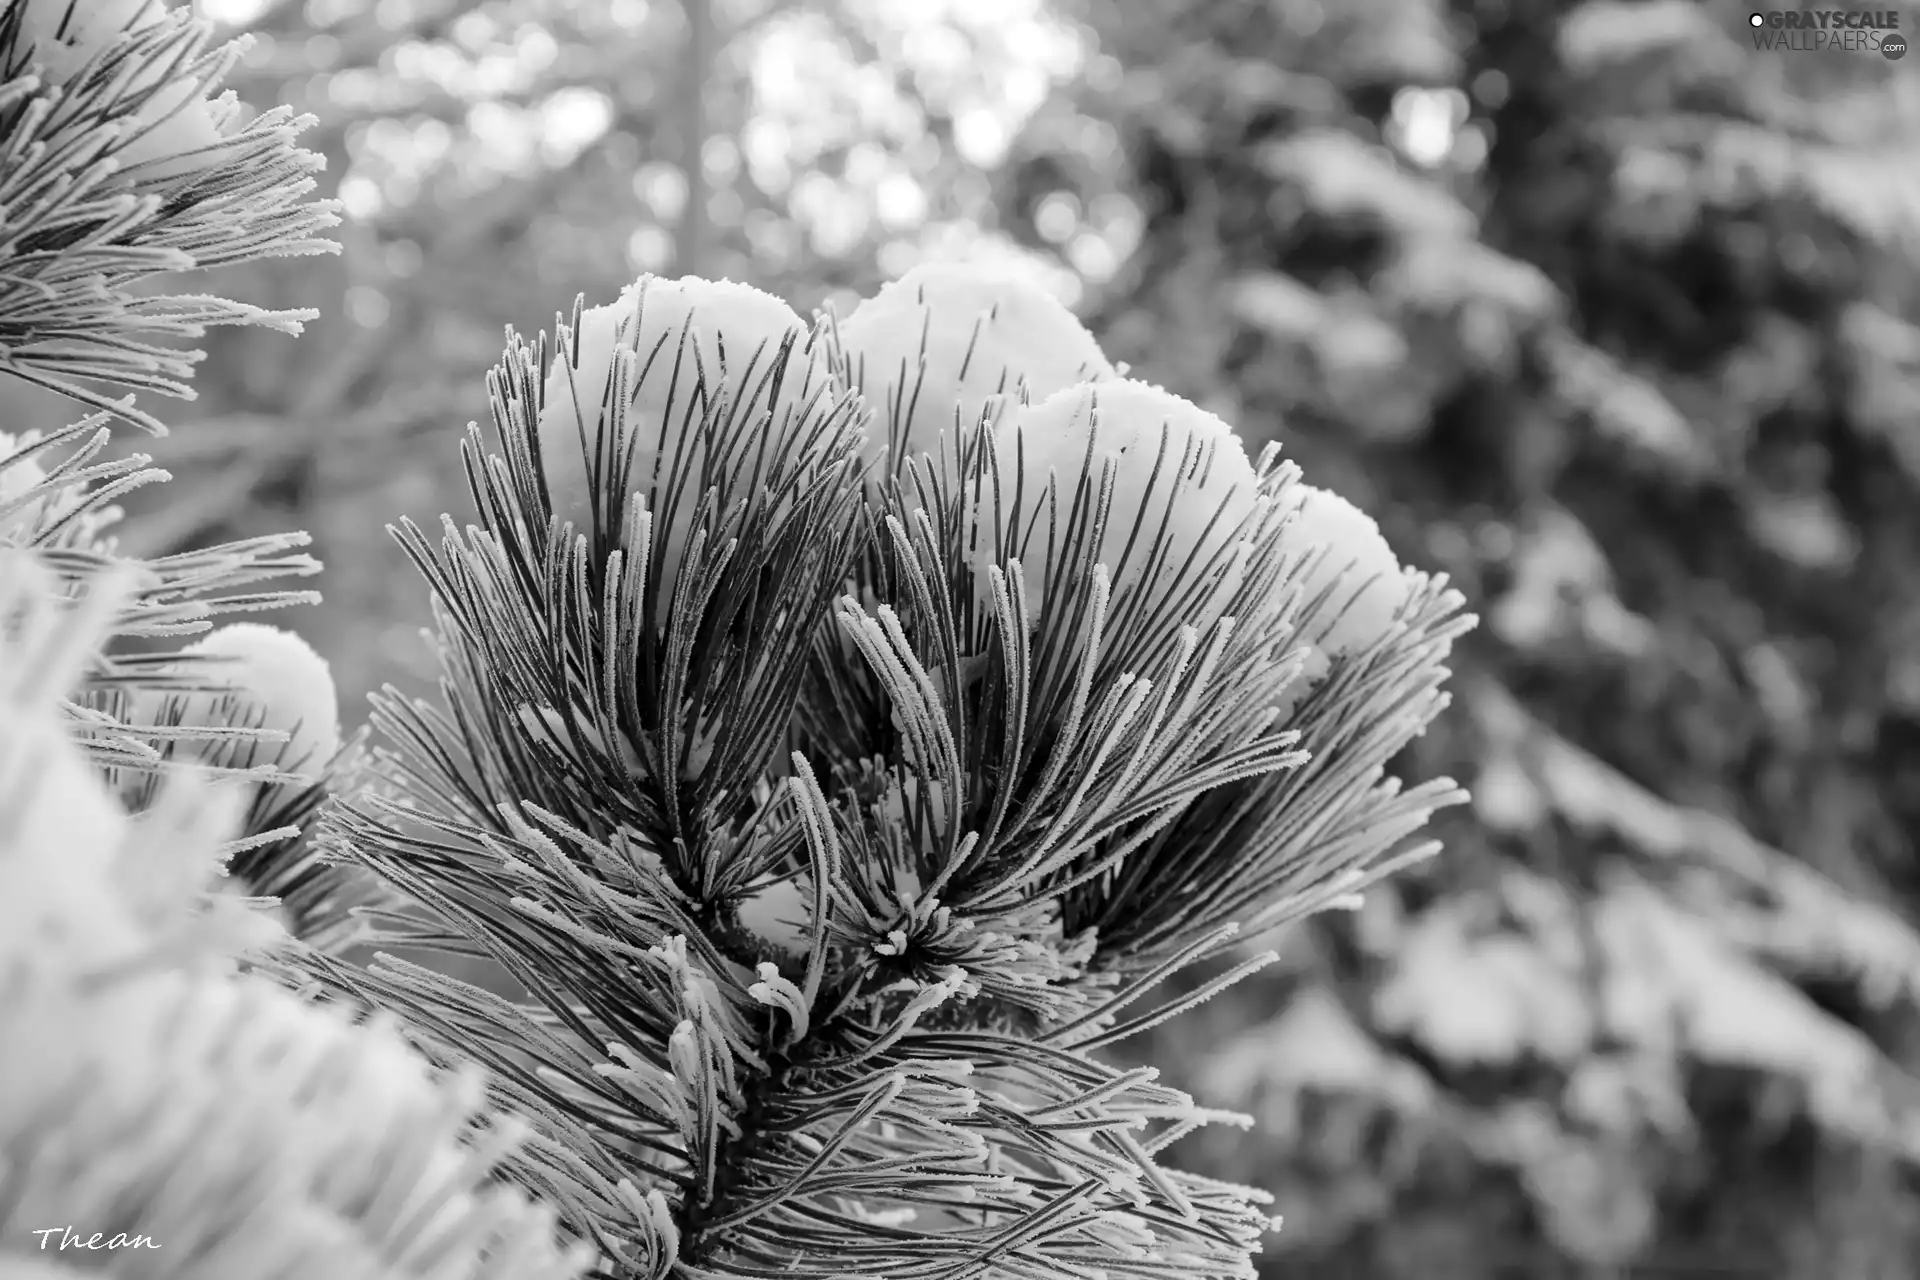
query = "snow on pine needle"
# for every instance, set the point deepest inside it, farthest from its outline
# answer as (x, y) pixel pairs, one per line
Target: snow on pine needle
(250, 1134)
(117, 167)
(664, 641)
(58, 501)
(829, 814)
(688, 349)
(946, 343)
(256, 702)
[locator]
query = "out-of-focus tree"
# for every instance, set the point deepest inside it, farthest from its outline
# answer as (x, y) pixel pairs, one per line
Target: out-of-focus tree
(497, 158)
(1611, 313)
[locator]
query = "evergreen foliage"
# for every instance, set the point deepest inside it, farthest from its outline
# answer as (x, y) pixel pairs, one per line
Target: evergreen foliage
(845, 730)
(1012, 813)
(181, 1118)
(117, 169)
(150, 1093)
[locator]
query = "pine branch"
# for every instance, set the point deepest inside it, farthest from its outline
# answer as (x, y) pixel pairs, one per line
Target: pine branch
(244, 1133)
(1016, 663)
(63, 511)
(770, 1146)
(116, 168)
(616, 644)
(142, 716)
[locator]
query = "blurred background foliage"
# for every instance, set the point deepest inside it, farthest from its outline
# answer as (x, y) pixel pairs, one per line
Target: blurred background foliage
(1596, 307)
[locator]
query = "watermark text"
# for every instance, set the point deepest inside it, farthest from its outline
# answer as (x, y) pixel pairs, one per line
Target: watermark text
(1829, 31)
(71, 1239)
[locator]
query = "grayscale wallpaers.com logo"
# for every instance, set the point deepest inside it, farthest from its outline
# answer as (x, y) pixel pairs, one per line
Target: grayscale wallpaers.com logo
(1829, 30)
